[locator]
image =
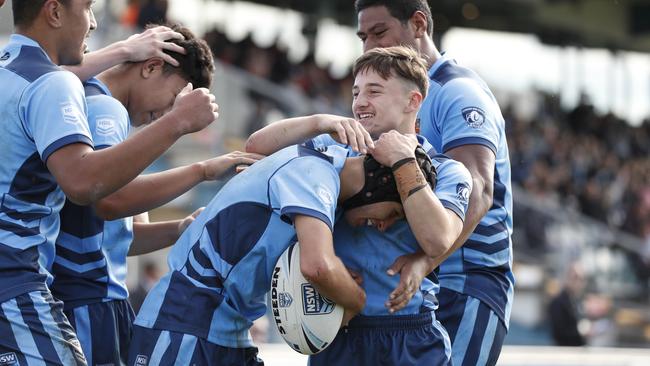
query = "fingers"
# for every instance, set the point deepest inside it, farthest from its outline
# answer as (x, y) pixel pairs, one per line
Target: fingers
(187, 89)
(397, 266)
(196, 213)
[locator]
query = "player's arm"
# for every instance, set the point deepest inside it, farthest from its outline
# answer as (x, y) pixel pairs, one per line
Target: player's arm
(323, 269)
(291, 131)
(138, 47)
(434, 226)
(149, 191)
(151, 236)
(87, 176)
(480, 161)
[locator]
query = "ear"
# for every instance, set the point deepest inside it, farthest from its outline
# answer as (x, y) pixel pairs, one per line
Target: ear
(419, 23)
(415, 101)
(54, 12)
(152, 66)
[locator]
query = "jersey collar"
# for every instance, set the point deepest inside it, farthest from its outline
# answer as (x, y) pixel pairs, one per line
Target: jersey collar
(439, 62)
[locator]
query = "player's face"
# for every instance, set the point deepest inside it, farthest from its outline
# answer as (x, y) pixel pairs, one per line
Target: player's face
(154, 97)
(379, 104)
(377, 28)
(78, 21)
(381, 215)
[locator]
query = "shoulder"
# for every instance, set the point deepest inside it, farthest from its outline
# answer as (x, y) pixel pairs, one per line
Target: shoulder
(448, 167)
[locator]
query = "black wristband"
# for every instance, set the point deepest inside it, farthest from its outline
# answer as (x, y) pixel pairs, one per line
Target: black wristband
(399, 163)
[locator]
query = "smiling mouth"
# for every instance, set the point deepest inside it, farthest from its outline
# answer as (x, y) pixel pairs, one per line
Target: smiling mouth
(364, 116)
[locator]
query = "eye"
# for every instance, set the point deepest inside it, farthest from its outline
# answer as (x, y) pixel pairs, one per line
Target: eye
(380, 33)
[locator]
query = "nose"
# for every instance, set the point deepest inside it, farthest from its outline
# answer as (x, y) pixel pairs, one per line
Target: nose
(93, 21)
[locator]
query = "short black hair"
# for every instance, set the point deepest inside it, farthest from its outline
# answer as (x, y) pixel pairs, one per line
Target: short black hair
(26, 11)
(197, 64)
(402, 10)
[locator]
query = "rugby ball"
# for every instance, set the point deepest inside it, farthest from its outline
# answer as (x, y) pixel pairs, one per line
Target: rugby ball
(307, 321)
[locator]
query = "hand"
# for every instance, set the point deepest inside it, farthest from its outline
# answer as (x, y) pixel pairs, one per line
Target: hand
(347, 316)
(215, 168)
(189, 220)
(412, 269)
(195, 109)
(392, 147)
(347, 131)
(151, 43)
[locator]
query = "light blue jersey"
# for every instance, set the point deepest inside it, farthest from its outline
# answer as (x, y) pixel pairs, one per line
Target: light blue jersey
(370, 252)
(90, 263)
(43, 109)
(460, 110)
(221, 266)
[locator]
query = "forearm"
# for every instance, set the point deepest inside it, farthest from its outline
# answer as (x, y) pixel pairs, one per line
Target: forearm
(149, 237)
(100, 173)
(431, 223)
(97, 61)
(337, 285)
(281, 134)
(147, 192)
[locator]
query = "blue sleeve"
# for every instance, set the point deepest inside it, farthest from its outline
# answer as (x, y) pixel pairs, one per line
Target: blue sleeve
(453, 186)
(108, 120)
(306, 186)
(54, 113)
(466, 114)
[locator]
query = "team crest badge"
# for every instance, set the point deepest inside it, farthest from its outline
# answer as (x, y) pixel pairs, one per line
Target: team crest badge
(475, 117)
(284, 299)
(105, 125)
(462, 192)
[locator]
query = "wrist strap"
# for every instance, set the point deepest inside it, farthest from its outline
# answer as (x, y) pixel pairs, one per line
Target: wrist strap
(408, 177)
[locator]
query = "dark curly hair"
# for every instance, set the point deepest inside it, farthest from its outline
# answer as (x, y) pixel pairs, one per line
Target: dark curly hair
(197, 64)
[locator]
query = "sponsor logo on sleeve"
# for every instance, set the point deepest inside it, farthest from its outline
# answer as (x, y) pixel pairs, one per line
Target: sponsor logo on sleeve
(105, 125)
(325, 196)
(71, 113)
(7, 359)
(475, 117)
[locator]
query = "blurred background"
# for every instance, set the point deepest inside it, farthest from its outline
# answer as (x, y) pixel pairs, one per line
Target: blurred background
(573, 81)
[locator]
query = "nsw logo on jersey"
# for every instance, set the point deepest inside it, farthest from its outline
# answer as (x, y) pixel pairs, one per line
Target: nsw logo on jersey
(105, 125)
(7, 359)
(314, 303)
(70, 113)
(475, 117)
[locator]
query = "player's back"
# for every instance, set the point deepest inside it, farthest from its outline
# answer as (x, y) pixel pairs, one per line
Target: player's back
(221, 266)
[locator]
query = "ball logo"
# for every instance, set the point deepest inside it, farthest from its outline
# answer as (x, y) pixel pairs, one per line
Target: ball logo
(275, 300)
(7, 359)
(475, 117)
(284, 299)
(314, 303)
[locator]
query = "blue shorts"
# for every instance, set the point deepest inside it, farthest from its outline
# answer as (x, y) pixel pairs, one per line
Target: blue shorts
(476, 332)
(104, 330)
(34, 330)
(388, 340)
(153, 347)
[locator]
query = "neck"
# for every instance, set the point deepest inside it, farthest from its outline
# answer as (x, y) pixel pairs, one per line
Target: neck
(118, 82)
(352, 177)
(40, 36)
(408, 125)
(428, 51)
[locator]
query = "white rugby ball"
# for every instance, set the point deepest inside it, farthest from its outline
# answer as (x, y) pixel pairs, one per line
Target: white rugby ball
(307, 321)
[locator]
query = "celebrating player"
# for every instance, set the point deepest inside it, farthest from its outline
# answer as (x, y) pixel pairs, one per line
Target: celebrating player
(47, 151)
